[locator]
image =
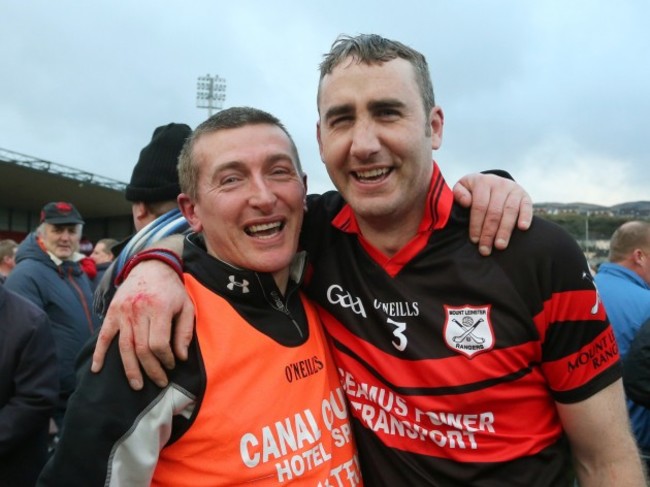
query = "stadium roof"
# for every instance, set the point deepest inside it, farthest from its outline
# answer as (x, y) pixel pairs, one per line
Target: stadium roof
(27, 183)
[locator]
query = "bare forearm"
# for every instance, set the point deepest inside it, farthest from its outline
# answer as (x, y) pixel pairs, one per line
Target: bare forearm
(624, 471)
(604, 451)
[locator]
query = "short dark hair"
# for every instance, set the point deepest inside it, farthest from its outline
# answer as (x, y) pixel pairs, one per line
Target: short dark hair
(231, 118)
(374, 49)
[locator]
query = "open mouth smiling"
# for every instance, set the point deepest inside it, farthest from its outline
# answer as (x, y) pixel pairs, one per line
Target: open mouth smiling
(265, 230)
(372, 175)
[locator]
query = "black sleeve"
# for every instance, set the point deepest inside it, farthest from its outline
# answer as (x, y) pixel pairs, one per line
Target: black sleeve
(636, 367)
(102, 410)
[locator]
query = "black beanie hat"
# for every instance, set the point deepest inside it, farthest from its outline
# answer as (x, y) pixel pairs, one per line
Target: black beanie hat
(155, 177)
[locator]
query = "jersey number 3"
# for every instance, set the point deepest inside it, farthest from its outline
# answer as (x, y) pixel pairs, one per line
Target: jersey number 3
(398, 333)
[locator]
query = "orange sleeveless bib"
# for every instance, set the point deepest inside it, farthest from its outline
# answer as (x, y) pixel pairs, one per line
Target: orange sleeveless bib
(270, 414)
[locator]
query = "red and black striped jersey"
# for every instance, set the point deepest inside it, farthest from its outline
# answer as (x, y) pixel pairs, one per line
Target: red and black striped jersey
(453, 362)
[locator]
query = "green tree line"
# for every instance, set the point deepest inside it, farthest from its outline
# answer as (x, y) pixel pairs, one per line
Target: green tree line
(599, 227)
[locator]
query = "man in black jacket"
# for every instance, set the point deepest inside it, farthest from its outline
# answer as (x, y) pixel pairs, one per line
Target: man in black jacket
(29, 388)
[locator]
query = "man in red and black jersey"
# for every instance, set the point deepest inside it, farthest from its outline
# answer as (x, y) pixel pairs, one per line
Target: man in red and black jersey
(459, 369)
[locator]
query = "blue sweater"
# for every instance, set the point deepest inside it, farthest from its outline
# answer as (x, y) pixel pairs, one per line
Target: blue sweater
(627, 300)
(64, 293)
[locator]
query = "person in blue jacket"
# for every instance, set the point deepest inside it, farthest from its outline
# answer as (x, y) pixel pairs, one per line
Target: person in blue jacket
(624, 286)
(48, 273)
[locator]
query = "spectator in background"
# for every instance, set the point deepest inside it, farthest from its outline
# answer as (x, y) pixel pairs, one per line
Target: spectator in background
(624, 287)
(29, 387)
(7, 258)
(47, 274)
(102, 255)
(152, 191)
(87, 264)
(85, 246)
(154, 182)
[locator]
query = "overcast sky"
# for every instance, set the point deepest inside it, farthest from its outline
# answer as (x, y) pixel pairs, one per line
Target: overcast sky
(554, 91)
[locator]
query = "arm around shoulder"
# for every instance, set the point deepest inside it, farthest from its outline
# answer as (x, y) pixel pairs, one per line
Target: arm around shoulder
(498, 205)
(143, 309)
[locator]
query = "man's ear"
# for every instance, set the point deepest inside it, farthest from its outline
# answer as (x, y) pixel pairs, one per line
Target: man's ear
(188, 209)
(638, 255)
(140, 213)
(320, 143)
(436, 123)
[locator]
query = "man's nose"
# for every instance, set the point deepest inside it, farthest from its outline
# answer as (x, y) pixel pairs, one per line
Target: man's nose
(262, 195)
(365, 140)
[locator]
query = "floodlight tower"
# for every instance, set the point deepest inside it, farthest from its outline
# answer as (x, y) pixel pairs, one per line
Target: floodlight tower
(210, 92)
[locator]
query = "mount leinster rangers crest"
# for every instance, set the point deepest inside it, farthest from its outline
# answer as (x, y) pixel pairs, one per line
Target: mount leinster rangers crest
(468, 329)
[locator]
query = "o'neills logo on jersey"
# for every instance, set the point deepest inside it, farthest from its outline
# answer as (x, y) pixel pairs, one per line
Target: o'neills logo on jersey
(468, 329)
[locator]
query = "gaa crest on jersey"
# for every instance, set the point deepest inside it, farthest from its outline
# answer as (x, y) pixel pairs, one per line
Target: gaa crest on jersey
(468, 329)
